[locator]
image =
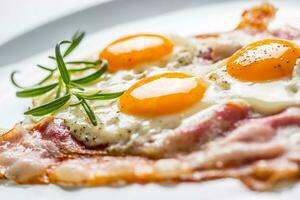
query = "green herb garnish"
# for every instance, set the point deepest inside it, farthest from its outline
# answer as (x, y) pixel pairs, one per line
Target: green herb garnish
(49, 107)
(65, 86)
(35, 91)
(76, 39)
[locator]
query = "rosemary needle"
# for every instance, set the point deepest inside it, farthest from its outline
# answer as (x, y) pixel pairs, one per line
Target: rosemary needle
(65, 86)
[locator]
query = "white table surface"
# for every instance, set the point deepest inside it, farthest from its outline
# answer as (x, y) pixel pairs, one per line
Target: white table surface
(19, 16)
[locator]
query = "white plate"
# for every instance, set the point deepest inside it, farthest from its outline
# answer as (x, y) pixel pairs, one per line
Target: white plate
(209, 17)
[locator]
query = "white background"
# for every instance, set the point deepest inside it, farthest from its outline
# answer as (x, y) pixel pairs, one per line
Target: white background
(18, 16)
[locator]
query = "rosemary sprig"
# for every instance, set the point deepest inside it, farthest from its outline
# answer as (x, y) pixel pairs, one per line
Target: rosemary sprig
(58, 91)
(76, 39)
(92, 77)
(36, 91)
(46, 68)
(64, 73)
(49, 107)
(65, 86)
(90, 113)
(99, 96)
(97, 62)
(12, 79)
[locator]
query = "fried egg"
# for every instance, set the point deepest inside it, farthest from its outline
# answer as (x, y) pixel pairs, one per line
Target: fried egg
(169, 87)
(264, 60)
(130, 51)
(261, 74)
(162, 94)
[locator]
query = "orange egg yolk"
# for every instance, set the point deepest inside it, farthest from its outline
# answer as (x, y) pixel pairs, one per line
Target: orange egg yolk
(162, 94)
(265, 60)
(130, 51)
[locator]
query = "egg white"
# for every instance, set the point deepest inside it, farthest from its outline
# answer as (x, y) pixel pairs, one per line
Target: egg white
(120, 131)
(264, 97)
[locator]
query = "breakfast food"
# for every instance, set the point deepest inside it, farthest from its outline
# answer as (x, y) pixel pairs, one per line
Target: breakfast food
(155, 108)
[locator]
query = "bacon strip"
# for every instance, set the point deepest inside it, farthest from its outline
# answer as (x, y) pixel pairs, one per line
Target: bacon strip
(193, 138)
(55, 131)
(288, 33)
(257, 18)
(46, 153)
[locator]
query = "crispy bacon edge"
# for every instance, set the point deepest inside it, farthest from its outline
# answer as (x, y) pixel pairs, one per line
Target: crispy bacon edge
(71, 164)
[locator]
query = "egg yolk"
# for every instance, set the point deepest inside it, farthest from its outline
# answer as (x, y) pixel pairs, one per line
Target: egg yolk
(265, 60)
(162, 94)
(128, 52)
